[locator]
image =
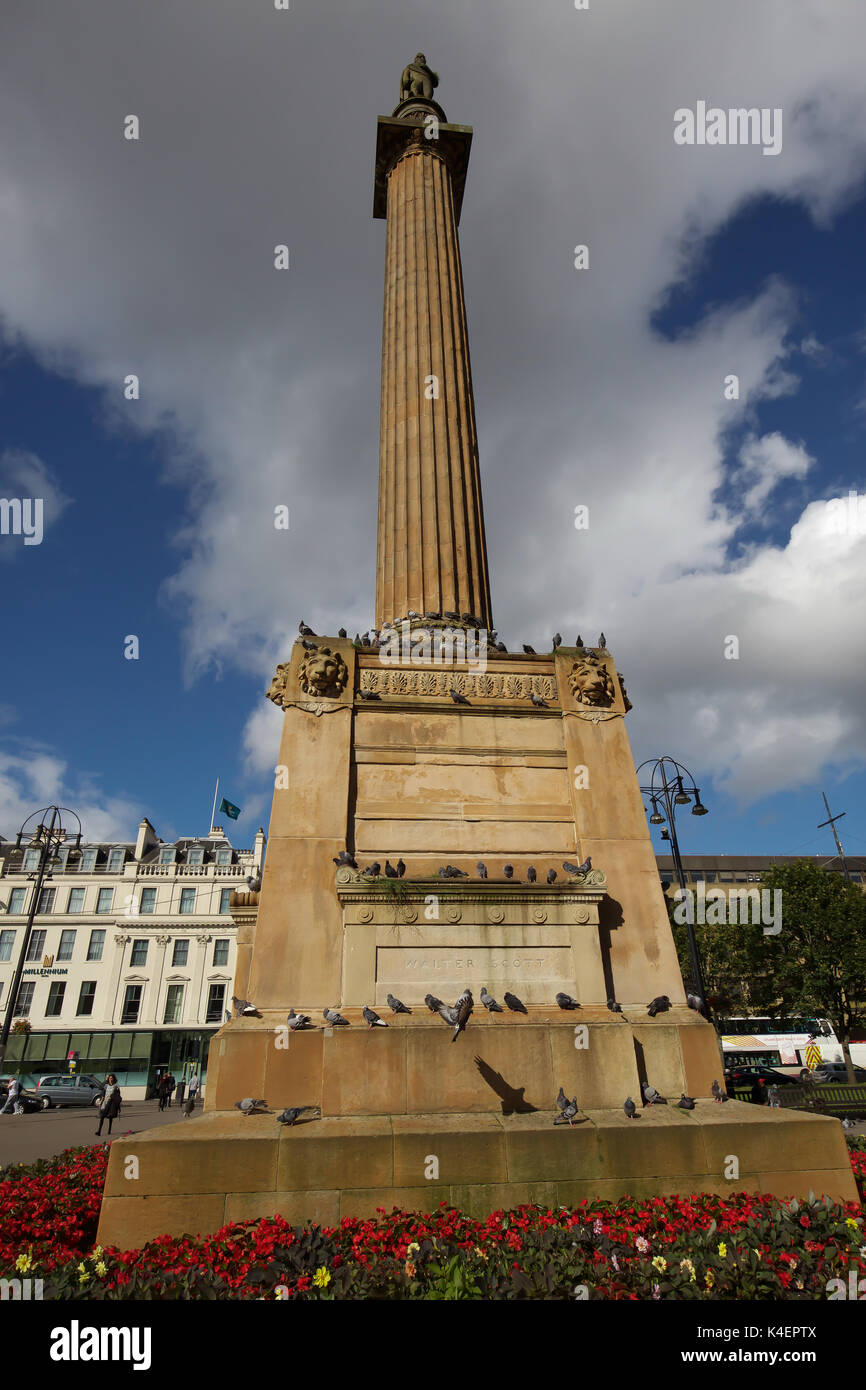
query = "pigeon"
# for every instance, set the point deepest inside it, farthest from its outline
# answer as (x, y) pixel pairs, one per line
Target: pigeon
(401, 868)
(228, 1015)
(509, 871)
(443, 872)
(685, 1103)
(567, 1111)
(344, 857)
(248, 1106)
(335, 1019)
(538, 701)
(565, 1001)
(718, 1094)
(530, 651)
(432, 615)
(369, 695)
(531, 875)
(373, 1019)
(457, 697)
(695, 1002)
(298, 1022)
(451, 872)
(396, 1005)
(601, 641)
(515, 1005)
(372, 870)
(557, 640)
(304, 630)
(659, 1005)
(489, 1002)
(579, 642)
(562, 1099)
(463, 1008)
(341, 632)
(630, 1109)
(847, 1124)
(569, 868)
(289, 1116)
(551, 875)
(651, 1095)
(365, 640)
(254, 884)
(448, 1013)
(452, 617)
(390, 871)
(482, 869)
(413, 614)
(501, 647)
(433, 1004)
(614, 1007)
(356, 640)
(243, 1007)
(308, 646)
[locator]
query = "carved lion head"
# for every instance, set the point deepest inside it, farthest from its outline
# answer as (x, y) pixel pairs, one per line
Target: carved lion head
(590, 682)
(323, 673)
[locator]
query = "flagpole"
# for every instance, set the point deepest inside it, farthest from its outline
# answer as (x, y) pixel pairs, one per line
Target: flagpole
(213, 808)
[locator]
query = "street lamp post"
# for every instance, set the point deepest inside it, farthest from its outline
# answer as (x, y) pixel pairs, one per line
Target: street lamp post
(667, 785)
(47, 837)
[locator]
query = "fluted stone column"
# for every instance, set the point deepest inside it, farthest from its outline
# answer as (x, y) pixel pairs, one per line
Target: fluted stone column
(432, 555)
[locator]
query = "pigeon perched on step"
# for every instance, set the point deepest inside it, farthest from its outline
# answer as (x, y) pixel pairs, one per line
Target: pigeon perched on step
(531, 875)
(562, 1099)
(304, 630)
(583, 868)
(659, 1005)
(243, 1007)
(248, 1106)
(372, 870)
(630, 1109)
(719, 1095)
(401, 868)
(289, 1115)
(516, 1005)
(433, 1004)
(567, 1111)
(530, 651)
(614, 1007)
(651, 1095)
(297, 1022)
(557, 640)
(369, 694)
(551, 875)
(308, 646)
(457, 697)
(344, 857)
(489, 1002)
(396, 1005)
(601, 642)
(695, 1002)
(567, 1001)
(341, 632)
(686, 1103)
(538, 700)
(508, 871)
(482, 869)
(372, 1019)
(335, 1019)
(390, 871)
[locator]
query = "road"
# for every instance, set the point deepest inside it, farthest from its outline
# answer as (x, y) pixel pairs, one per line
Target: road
(24, 1138)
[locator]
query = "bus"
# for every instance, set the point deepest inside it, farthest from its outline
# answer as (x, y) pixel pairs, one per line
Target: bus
(786, 1037)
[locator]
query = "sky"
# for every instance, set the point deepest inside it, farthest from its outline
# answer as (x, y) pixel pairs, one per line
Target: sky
(603, 387)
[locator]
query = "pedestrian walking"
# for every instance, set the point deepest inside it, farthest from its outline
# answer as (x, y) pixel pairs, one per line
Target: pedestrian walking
(759, 1091)
(194, 1084)
(110, 1107)
(774, 1098)
(13, 1104)
(171, 1088)
(162, 1089)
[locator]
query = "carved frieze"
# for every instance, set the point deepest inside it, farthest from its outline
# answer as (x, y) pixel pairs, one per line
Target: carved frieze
(439, 684)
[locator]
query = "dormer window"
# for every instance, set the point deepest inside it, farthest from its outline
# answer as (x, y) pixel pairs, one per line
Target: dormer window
(195, 855)
(115, 861)
(87, 862)
(223, 857)
(166, 856)
(31, 860)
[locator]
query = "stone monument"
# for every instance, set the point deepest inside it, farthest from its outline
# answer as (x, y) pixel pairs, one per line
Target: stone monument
(499, 791)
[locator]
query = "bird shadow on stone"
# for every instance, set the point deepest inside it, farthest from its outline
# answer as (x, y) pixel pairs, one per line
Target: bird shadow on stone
(610, 918)
(513, 1101)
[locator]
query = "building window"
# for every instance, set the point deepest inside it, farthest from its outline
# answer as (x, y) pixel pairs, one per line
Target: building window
(225, 899)
(61, 857)
(139, 951)
(180, 955)
(224, 856)
(86, 996)
(115, 861)
(16, 901)
(7, 940)
(166, 856)
(173, 1003)
(221, 951)
(215, 1004)
(187, 900)
(36, 947)
(87, 862)
(148, 901)
(56, 991)
(195, 855)
(24, 999)
(31, 860)
(76, 900)
(104, 899)
(97, 942)
(46, 900)
(131, 1004)
(67, 943)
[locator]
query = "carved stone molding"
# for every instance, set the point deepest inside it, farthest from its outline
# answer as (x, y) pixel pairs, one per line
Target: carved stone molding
(433, 684)
(163, 940)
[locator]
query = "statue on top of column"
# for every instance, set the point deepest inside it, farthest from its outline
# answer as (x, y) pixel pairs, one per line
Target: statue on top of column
(418, 80)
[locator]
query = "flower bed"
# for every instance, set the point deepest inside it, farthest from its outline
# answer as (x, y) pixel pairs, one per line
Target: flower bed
(742, 1246)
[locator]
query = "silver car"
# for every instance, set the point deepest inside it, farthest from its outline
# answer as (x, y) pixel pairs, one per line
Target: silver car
(57, 1090)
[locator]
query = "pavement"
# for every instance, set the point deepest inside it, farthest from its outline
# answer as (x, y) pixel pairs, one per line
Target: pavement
(44, 1133)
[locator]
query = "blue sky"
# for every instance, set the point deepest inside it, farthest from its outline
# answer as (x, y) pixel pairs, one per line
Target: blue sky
(256, 392)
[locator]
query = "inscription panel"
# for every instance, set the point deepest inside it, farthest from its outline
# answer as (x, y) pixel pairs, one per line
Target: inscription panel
(483, 964)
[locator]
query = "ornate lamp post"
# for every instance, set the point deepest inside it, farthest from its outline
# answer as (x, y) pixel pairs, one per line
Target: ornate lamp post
(672, 785)
(47, 836)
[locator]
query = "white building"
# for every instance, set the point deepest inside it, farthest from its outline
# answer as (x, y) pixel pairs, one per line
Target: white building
(131, 958)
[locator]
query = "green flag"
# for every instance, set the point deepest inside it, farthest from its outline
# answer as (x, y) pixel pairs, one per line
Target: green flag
(226, 808)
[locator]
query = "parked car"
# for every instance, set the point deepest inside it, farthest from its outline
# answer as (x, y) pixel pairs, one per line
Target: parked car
(746, 1076)
(58, 1090)
(835, 1071)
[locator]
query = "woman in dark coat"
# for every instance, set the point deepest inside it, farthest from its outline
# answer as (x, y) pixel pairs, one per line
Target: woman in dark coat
(110, 1106)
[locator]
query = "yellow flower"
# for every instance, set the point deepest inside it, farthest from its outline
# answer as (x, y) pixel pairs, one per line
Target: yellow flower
(101, 1268)
(281, 1291)
(723, 1249)
(24, 1262)
(83, 1275)
(322, 1277)
(660, 1263)
(689, 1269)
(709, 1278)
(410, 1249)
(482, 1254)
(849, 1221)
(97, 1253)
